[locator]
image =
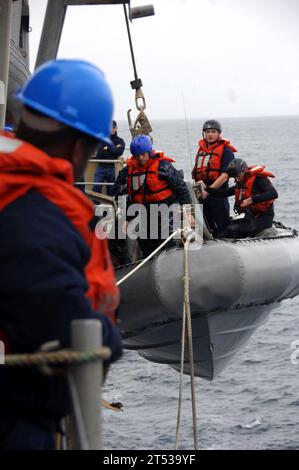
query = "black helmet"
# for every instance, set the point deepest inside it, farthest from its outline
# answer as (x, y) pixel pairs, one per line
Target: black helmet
(212, 124)
(236, 166)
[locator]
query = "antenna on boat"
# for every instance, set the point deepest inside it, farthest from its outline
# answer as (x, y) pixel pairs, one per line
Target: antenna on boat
(187, 129)
(142, 124)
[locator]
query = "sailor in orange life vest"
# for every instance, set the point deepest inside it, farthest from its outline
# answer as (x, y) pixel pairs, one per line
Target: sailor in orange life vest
(150, 178)
(212, 159)
(52, 267)
(254, 196)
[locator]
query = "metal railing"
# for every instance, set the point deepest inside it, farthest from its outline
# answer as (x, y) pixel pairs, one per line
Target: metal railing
(89, 182)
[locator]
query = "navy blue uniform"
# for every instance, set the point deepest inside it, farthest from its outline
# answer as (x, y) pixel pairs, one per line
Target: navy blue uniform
(105, 171)
(216, 210)
(42, 289)
(262, 190)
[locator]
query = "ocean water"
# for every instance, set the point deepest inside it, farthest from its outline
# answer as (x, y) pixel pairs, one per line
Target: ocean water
(254, 403)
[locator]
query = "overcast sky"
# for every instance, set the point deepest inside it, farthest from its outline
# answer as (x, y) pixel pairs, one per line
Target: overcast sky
(223, 58)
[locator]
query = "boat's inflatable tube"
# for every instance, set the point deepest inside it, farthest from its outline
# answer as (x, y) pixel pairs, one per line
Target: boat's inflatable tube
(233, 286)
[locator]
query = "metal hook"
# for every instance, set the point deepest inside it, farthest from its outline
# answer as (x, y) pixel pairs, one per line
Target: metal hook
(139, 96)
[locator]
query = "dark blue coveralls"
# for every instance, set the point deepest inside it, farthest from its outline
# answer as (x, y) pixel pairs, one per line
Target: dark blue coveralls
(105, 171)
(42, 289)
(216, 210)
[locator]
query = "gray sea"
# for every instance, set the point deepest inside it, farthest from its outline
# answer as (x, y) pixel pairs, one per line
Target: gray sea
(254, 403)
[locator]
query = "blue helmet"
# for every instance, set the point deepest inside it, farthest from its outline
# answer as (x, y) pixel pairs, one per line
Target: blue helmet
(8, 128)
(74, 92)
(141, 144)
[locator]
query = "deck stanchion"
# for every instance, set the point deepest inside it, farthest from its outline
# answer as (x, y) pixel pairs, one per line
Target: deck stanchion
(87, 336)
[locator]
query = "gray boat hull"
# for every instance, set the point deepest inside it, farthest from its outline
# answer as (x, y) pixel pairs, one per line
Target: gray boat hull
(233, 288)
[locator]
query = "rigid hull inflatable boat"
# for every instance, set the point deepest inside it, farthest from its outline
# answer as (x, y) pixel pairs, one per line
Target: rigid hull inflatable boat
(234, 285)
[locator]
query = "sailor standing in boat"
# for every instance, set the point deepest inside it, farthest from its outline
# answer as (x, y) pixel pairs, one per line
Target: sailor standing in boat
(52, 267)
(150, 178)
(212, 159)
(105, 171)
(254, 196)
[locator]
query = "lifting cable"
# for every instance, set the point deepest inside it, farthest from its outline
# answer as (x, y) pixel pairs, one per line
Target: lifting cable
(142, 124)
(137, 80)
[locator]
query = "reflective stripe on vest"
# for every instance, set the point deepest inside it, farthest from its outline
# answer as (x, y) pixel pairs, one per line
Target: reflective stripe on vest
(211, 170)
(9, 145)
(144, 185)
(138, 181)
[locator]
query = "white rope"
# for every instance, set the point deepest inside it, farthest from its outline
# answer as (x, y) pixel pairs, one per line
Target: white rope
(143, 262)
(181, 378)
(187, 319)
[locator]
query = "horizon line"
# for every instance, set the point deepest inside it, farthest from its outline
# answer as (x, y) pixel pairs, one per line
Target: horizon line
(222, 117)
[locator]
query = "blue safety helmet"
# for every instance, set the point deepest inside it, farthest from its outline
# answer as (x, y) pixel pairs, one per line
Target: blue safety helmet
(8, 128)
(74, 92)
(141, 144)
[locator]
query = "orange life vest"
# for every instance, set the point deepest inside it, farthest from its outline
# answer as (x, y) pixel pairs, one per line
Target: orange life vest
(144, 185)
(24, 167)
(208, 160)
(244, 191)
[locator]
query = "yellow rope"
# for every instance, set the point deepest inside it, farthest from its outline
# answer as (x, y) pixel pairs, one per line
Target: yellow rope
(64, 356)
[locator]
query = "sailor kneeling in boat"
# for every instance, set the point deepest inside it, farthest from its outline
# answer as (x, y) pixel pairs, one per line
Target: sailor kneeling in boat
(52, 267)
(254, 196)
(150, 178)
